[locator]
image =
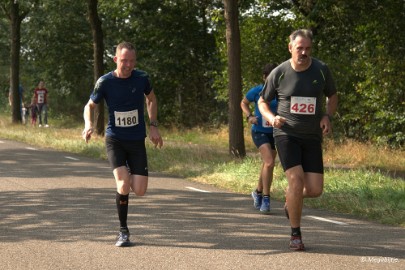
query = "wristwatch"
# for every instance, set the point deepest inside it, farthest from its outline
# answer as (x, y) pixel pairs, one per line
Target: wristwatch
(329, 117)
(153, 123)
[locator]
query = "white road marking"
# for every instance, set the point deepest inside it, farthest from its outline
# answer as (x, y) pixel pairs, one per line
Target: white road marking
(328, 220)
(72, 158)
(199, 190)
(31, 148)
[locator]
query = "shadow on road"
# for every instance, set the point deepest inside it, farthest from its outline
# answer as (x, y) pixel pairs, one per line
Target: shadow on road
(73, 201)
(25, 163)
(183, 219)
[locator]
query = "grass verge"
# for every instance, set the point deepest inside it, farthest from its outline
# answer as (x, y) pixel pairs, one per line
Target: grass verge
(362, 180)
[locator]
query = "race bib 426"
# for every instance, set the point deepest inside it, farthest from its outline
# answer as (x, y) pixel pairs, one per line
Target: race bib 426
(303, 105)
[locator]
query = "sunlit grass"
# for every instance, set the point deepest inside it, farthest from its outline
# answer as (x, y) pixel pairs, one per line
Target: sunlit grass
(358, 155)
(357, 177)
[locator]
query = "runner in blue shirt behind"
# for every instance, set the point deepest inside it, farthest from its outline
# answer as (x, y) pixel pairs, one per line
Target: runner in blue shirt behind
(262, 135)
(124, 91)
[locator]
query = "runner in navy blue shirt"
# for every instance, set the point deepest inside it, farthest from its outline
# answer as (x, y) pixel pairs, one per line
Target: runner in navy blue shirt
(124, 91)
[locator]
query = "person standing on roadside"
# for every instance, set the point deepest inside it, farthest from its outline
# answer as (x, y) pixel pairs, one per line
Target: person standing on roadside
(124, 91)
(41, 101)
(262, 135)
(300, 85)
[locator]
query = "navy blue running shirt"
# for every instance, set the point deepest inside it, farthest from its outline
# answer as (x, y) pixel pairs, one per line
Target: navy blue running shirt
(125, 100)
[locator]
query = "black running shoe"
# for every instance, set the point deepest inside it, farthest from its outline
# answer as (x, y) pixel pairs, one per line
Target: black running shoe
(123, 239)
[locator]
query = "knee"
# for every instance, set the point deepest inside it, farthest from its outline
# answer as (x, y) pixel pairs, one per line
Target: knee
(140, 192)
(295, 186)
(139, 184)
(122, 181)
(268, 164)
(313, 192)
(123, 187)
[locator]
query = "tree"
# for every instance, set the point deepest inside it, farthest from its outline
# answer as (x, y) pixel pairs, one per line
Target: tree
(13, 13)
(59, 50)
(98, 69)
(178, 52)
(236, 139)
(194, 66)
(360, 42)
(263, 39)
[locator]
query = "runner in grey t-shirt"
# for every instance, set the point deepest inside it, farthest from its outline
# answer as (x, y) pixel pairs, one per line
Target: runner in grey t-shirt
(301, 106)
(300, 85)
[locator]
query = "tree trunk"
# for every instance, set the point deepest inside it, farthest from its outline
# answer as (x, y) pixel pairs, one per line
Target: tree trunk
(98, 53)
(236, 139)
(15, 25)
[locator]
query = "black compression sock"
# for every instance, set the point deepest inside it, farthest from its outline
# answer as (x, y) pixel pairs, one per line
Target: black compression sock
(124, 229)
(295, 231)
(122, 208)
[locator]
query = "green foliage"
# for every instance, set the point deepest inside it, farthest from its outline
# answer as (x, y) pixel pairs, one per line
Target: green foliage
(58, 49)
(4, 58)
(381, 86)
(264, 40)
(359, 41)
(182, 45)
(178, 52)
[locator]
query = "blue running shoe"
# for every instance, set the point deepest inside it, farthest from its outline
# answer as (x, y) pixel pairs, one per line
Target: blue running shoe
(265, 208)
(123, 239)
(257, 200)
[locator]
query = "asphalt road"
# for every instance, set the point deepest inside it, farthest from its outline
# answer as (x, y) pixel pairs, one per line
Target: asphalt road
(57, 211)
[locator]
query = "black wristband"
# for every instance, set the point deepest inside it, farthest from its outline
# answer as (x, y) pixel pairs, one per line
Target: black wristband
(153, 124)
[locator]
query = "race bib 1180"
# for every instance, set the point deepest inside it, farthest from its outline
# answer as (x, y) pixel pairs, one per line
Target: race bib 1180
(126, 119)
(303, 105)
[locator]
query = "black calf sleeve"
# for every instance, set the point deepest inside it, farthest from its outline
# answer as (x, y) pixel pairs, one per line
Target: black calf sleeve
(122, 208)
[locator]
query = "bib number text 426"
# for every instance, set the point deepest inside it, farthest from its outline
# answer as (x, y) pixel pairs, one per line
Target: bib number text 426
(303, 105)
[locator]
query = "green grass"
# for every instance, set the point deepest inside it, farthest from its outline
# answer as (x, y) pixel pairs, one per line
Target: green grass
(357, 177)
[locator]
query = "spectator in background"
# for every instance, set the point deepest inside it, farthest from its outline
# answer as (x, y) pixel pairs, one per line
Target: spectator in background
(41, 101)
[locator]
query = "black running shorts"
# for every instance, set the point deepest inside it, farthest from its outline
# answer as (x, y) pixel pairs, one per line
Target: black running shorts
(294, 151)
(131, 154)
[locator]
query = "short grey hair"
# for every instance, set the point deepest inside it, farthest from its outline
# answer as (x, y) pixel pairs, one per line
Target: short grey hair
(306, 33)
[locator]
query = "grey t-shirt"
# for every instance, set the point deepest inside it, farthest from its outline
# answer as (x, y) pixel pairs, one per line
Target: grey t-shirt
(301, 97)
